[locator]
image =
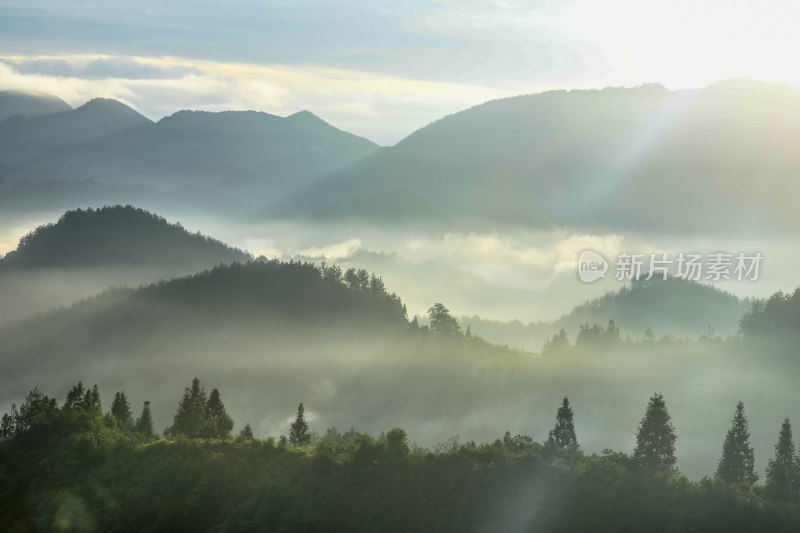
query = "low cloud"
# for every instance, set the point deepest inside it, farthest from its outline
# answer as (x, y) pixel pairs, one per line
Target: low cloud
(380, 107)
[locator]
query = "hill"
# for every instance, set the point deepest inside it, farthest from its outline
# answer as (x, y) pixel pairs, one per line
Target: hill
(29, 104)
(283, 326)
(118, 235)
(665, 307)
(644, 157)
(88, 250)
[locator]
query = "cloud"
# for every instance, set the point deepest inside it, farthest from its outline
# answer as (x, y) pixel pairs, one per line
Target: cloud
(100, 68)
(382, 108)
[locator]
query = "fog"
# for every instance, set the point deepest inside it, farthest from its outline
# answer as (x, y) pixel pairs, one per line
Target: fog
(349, 375)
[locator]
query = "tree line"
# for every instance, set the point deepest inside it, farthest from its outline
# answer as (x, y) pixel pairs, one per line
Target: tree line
(203, 416)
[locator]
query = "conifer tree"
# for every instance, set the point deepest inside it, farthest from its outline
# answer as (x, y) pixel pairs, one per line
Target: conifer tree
(217, 421)
(91, 400)
(655, 441)
(74, 400)
(189, 419)
(121, 409)
(299, 434)
(247, 432)
(782, 470)
(8, 424)
(144, 424)
(738, 460)
(563, 434)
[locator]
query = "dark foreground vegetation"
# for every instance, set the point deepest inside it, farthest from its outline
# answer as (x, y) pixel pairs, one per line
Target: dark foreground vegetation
(74, 468)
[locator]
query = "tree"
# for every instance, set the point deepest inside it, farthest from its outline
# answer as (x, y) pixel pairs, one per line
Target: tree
(737, 462)
(91, 400)
(397, 442)
(299, 434)
(188, 421)
(37, 408)
(247, 432)
(563, 436)
(782, 471)
(655, 441)
(217, 421)
(441, 321)
(8, 424)
(121, 409)
(74, 400)
(144, 424)
(558, 344)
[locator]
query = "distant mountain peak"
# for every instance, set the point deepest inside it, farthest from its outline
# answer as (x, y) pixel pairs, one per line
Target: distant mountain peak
(108, 106)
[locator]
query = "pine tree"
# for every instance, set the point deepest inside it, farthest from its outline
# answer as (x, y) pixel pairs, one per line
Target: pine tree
(737, 463)
(8, 424)
(217, 421)
(91, 400)
(299, 434)
(782, 471)
(144, 424)
(189, 419)
(655, 441)
(121, 409)
(247, 432)
(563, 434)
(74, 400)
(441, 321)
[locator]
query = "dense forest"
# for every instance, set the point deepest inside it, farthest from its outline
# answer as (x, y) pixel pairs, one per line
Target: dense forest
(115, 235)
(74, 467)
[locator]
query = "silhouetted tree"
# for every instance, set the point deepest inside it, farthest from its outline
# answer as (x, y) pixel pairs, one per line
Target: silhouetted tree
(397, 442)
(217, 421)
(782, 471)
(121, 409)
(91, 400)
(8, 424)
(74, 399)
(247, 432)
(441, 321)
(559, 343)
(144, 424)
(563, 434)
(655, 441)
(299, 434)
(737, 462)
(37, 407)
(188, 421)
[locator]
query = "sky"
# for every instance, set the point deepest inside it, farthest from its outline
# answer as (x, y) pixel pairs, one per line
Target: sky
(377, 68)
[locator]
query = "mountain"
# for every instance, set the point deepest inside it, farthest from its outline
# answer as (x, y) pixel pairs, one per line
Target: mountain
(719, 157)
(29, 105)
(88, 250)
(254, 156)
(665, 307)
(34, 141)
(119, 235)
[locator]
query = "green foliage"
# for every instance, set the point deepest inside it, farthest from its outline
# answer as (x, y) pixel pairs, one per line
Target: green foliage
(70, 470)
(562, 436)
(190, 420)
(218, 423)
(441, 321)
(299, 434)
(655, 441)
(737, 464)
(783, 479)
(144, 424)
(121, 409)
